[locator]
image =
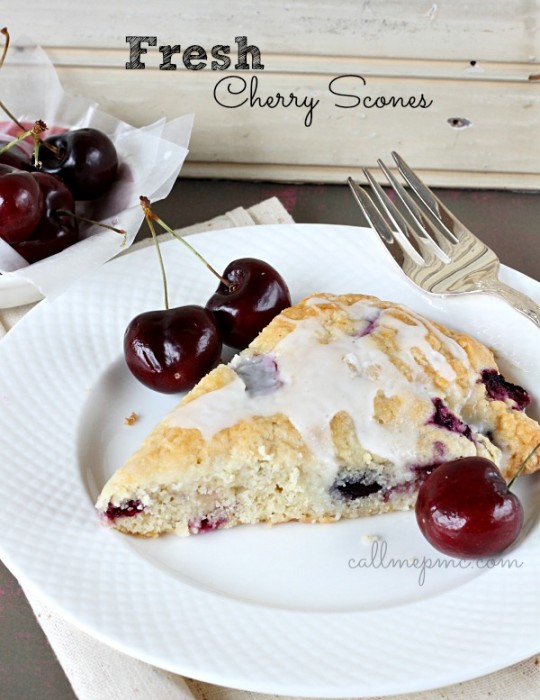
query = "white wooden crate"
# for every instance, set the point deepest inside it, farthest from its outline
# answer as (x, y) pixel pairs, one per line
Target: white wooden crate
(474, 61)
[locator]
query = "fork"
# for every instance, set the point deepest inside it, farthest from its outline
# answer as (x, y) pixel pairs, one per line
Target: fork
(432, 247)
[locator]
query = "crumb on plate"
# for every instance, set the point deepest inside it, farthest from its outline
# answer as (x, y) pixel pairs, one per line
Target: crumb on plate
(131, 419)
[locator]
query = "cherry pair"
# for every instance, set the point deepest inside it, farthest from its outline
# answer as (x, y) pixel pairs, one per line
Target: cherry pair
(170, 350)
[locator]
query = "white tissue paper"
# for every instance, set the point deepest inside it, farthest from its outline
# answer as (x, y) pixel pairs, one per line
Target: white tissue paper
(150, 159)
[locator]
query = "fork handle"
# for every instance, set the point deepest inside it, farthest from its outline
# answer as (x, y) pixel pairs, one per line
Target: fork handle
(519, 301)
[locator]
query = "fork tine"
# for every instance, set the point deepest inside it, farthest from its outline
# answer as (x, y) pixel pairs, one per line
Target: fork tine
(399, 221)
(418, 228)
(471, 266)
(449, 225)
(400, 255)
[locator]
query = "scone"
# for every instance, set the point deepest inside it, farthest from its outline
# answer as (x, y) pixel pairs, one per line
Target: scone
(340, 408)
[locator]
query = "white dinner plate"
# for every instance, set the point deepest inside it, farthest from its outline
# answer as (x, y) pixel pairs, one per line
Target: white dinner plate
(363, 607)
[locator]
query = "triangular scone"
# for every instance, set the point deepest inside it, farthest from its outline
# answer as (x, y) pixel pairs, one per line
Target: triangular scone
(340, 408)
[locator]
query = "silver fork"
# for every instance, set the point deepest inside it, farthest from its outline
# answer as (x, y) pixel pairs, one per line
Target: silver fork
(432, 247)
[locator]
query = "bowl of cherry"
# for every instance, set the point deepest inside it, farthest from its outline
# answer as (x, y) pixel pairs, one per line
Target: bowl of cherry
(69, 177)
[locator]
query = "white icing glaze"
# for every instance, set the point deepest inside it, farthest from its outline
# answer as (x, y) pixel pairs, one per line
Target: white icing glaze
(321, 379)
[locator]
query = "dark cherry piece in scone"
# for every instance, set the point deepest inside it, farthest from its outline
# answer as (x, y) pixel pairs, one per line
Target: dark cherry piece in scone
(340, 408)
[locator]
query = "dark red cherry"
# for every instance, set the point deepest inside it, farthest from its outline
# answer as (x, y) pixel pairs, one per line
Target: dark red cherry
(21, 204)
(57, 197)
(255, 294)
(86, 161)
(55, 231)
(40, 246)
(465, 509)
(170, 350)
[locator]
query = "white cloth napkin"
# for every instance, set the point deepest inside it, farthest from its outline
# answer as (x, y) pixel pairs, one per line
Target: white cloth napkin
(97, 671)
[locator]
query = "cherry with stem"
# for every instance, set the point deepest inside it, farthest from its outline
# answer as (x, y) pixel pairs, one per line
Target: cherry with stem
(170, 350)
(249, 295)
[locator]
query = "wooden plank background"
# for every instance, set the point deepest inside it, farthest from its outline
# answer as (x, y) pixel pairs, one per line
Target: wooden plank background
(475, 61)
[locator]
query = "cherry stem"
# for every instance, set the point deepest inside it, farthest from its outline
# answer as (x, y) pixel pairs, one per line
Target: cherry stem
(38, 128)
(37, 140)
(5, 32)
(145, 203)
(11, 116)
(522, 467)
(78, 217)
(21, 126)
(162, 266)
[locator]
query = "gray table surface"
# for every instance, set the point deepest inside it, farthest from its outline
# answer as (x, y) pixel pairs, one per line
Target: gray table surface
(508, 221)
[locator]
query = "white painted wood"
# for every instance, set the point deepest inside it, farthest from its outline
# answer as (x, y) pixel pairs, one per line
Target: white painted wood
(400, 48)
(482, 30)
